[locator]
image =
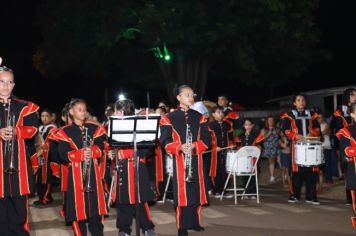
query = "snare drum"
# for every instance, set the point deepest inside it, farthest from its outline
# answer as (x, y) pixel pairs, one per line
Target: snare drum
(169, 164)
(242, 164)
(309, 153)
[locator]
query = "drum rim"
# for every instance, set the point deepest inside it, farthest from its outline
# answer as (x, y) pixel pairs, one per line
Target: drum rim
(308, 143)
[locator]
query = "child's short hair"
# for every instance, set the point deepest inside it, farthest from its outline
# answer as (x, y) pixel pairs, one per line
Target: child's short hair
(216, 108)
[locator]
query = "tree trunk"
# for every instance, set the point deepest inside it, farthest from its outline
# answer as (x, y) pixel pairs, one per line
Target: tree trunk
(192, 72)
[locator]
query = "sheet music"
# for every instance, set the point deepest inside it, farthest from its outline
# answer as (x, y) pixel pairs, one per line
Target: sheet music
(127, 124)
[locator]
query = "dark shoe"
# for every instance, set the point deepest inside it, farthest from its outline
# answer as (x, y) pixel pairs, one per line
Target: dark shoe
(48, 200)
(313, 202)
(182, 232)
(38, 203)
(150, 232)
(293, 199)
(198, 228)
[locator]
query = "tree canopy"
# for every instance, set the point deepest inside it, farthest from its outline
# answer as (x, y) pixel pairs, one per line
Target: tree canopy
(262, 42)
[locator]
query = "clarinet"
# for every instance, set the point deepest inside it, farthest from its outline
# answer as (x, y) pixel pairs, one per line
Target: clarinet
(188, 157)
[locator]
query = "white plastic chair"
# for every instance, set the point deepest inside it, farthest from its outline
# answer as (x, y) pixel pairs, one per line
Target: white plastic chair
(244, 163)
(169, 171)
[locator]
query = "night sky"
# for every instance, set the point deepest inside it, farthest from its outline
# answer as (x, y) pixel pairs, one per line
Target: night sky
(20, 37)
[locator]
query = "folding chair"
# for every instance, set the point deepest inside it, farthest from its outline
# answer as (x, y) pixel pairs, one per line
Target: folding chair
(242, 163)
(169, 171)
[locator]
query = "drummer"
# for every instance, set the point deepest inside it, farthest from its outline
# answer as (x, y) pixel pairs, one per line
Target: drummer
(300, 125)
(222, 136)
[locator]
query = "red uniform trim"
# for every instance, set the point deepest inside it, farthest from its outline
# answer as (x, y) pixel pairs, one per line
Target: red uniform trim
(113, 193)
(1, 173)
(313, 131)
(165, 121)
(178, 213)
(199, 213)
(99, 132)
(232, 115)
(55, 168)
(23, 132)
(26, 225)
(337, 113)
(48, 190)
(290, 133)
(258, 139)
(214, 155)
(203, 199)
(34, 162)
(23, 175)
(100, 190)
(148, 211)
(79, 200)
(64, 178)
(159, 165)
(76, 228)
(131, 179)
(353, 197)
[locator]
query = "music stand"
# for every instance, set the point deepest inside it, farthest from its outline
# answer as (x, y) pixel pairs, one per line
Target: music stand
(138, 132)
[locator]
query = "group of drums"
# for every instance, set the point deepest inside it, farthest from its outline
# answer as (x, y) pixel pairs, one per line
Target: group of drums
(308, 153)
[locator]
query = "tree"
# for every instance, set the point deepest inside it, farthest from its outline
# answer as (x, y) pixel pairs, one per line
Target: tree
(263, 42)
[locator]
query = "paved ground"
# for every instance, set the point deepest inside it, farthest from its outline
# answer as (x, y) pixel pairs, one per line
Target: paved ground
(272, 217)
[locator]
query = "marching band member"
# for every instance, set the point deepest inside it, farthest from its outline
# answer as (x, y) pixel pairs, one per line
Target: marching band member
(250, 138)
(80, 145)
(297, 125)
(347, 138)
(43, 183)
(125, 185)
(222, 136)
(342, 119)
(18, 126)
(184, 133)
(59, 169)
(230, 115)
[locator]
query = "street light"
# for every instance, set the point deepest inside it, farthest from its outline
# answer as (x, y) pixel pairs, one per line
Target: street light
(121, 97)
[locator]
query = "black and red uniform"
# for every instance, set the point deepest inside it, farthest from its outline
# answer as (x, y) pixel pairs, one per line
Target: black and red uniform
(188, 196)
(292, 124)
(252, 139)
(347, 138)
(59, 168)
(125, 194)
(341, 119)
(14, 188)
(43, 181)
(83, 207)
(221, 136)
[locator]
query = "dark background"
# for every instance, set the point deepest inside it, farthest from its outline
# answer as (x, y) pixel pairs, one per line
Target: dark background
(20, 37)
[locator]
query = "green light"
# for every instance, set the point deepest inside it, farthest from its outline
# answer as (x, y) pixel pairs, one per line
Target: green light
(167, 57)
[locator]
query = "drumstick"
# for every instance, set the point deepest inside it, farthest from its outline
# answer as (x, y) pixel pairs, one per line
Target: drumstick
(221, 149)
(306, 138)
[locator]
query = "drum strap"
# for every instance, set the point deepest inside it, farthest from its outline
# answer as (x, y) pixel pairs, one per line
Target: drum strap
(303, 118)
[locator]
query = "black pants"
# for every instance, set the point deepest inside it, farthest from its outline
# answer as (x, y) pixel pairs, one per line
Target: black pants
(251, 187)
(13, 216)
(188, 217)
(304, 174)
(95, 226)
(125, 213)
(43, 190)
(221, 175)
